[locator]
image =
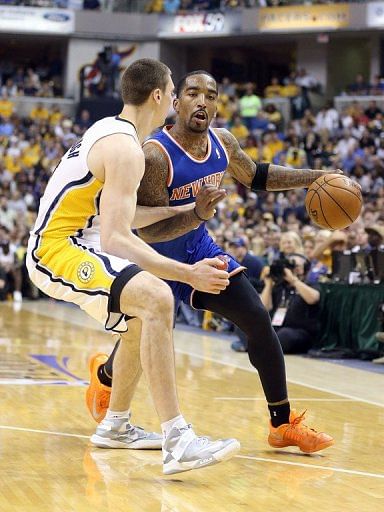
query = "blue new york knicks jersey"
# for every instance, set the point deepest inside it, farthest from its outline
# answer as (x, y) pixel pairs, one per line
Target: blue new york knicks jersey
(186, 175)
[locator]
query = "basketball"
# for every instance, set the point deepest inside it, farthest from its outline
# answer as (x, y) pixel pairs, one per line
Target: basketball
(333, 201)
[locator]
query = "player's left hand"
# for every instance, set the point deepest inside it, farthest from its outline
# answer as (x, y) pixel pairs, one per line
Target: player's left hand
(207, 199)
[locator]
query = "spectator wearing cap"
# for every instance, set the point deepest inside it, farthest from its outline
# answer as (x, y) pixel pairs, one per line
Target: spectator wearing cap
(375, 236)
(254, 264)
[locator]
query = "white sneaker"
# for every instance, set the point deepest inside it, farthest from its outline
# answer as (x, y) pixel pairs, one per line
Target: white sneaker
(183, 450)
(120, 433)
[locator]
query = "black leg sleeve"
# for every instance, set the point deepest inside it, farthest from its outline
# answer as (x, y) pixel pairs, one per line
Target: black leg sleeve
(241, 304)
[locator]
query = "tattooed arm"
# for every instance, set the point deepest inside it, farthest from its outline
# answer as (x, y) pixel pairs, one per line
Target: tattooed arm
(153, 192)
(243, 169)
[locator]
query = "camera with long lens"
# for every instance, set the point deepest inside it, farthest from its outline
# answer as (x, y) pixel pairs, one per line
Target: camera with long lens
(276, 270)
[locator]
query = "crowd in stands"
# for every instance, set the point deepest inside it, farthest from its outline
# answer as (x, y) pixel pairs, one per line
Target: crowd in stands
(362, 87)
(43, 80)
(256, 227)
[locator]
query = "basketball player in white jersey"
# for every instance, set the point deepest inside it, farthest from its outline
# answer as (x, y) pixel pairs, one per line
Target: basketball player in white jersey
(82, 250)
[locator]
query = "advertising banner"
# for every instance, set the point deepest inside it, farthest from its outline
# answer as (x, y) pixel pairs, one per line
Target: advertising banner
(375, 14)
(199, 24)
(36, 20)
(304, 17)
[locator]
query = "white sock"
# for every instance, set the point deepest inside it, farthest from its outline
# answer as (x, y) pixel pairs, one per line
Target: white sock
(167, 426)
(117, 415)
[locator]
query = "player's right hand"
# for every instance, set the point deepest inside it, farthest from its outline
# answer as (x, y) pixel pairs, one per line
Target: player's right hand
(206, 276)
(207, 199)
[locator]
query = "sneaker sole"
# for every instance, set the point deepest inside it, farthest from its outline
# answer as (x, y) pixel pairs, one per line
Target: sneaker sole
(102, 442)
(322, 446)
(225, 454)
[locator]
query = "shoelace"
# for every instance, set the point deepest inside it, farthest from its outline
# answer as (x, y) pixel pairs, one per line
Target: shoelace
(304, 429)
(134, 428)
(202, 440)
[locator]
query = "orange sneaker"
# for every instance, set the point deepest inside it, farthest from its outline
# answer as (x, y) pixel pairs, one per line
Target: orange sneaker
(98, 395)
(295, 433)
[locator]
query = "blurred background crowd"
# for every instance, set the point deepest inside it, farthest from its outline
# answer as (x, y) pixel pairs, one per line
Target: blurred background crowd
(257, 229)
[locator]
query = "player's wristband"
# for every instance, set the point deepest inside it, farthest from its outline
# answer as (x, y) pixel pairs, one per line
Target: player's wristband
(259, 181)
(198, 216)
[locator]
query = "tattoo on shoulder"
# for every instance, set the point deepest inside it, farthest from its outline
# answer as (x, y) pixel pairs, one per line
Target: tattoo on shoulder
(240, 166)
(227, 139)
(153, 187)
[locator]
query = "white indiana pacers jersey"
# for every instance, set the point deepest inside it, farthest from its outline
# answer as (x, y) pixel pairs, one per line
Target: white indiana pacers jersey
(64, 258)
(70, 204)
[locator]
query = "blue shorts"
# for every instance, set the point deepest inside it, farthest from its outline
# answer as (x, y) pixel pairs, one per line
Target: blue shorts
(205, 249)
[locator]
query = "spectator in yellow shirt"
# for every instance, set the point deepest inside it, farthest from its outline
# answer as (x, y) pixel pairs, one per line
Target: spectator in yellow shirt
(274, 89)
(39, 113)
(273, 143)
(251, 148)
(6, 106)
(239, 130)
(154, 6)
(290, 89)
(296, 158)
(12, 164)
(224, 112)
(273, 115)
(56, 116)
(30, 156)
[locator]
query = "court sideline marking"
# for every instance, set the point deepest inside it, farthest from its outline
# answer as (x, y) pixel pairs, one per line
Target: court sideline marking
(296, 382)
(247, 457)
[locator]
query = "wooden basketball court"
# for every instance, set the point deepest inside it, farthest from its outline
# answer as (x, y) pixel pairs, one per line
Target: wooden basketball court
(47, 464)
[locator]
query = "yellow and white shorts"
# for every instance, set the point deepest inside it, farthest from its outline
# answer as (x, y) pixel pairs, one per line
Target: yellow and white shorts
(75, 271)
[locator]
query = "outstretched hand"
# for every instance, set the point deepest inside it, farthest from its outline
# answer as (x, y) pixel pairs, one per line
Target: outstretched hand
(207, 199)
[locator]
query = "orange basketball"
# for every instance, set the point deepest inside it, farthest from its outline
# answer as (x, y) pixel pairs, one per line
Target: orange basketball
(333, 201)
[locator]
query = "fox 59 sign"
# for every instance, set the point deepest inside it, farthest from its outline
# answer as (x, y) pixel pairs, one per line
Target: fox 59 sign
(199, 23)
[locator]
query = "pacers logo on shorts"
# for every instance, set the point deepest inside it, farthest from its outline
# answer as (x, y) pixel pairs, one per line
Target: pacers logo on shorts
(85, 271)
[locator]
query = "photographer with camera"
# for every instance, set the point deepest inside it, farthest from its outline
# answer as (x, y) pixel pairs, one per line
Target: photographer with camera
(292, 303)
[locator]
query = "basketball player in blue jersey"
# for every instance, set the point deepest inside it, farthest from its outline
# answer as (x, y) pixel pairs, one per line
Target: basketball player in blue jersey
(179, 161)
(82, 250)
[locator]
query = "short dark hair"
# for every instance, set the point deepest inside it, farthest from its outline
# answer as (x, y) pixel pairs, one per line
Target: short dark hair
(141, 78)
(183, 79)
